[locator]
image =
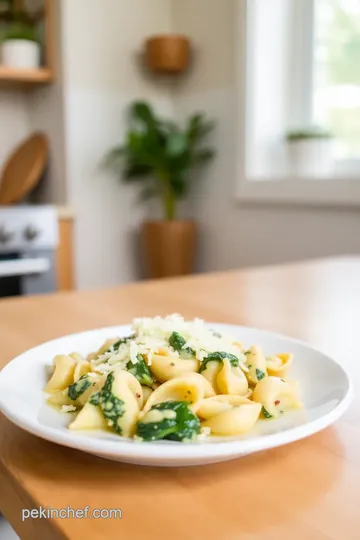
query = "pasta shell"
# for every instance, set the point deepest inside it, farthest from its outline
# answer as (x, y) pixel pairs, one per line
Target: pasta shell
(212, 406)
(279, 365)
(77, 357)
(165, 368)
(126, 381)
(235, 420)
(189, 388)
(127, 388)
(231, 380)
(211, 372)
(63, 374)
(59, 398)
(147, 391)
(81, 369)
(90, 417)
(256, 363)
(276, 396)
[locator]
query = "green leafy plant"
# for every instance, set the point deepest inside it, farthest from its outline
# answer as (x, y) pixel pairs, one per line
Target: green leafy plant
(307, 134)
(22, 30)
(22, 24)
(161, 154)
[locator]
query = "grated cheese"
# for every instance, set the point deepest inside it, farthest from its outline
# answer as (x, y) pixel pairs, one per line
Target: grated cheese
(204, 433)
(68, 408)
(151, 335)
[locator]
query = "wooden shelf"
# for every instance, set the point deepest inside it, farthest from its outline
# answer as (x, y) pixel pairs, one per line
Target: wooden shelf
(29, 76)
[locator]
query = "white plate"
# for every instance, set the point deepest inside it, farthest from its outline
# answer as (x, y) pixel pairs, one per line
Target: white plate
(326, 393)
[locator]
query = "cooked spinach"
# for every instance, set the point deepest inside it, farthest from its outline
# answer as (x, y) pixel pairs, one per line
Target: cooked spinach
(75, 390)
(219, 357)
(121, 341)
(184, 426)
(178, 343)
(112, 407)
(265, 413)
(260, 374)
(141, 371)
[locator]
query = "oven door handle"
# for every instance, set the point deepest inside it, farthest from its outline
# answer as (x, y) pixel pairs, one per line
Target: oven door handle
(24, 267)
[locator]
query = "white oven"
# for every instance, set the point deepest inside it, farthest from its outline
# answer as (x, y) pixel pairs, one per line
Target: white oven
(28, 242)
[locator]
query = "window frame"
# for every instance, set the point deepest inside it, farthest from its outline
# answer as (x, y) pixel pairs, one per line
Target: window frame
(342, 190)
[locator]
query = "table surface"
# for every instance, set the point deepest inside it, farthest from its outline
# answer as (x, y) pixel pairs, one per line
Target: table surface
(306, 490)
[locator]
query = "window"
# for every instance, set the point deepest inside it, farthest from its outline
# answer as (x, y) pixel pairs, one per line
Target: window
(303, 70)
(336, 90)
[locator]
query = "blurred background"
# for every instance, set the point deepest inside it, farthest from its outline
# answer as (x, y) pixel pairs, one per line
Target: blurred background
(148, 139)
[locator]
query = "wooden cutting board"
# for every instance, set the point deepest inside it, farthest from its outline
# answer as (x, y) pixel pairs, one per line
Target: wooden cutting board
(24, 168)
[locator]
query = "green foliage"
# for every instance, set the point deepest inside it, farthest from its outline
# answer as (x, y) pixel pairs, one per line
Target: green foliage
(219, 357)
(177, 342)
(343, 44)
(141, 371)
(184, 426)
(22, 30)
(307, 134)
(160, 155)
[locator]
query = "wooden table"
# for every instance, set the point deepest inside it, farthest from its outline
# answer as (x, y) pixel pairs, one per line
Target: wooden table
(309, 490)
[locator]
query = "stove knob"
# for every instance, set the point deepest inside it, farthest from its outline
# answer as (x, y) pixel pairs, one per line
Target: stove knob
(30, 233)
(5, 235)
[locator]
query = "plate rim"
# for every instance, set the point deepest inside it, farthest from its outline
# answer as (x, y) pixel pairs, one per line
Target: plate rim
(129, 449)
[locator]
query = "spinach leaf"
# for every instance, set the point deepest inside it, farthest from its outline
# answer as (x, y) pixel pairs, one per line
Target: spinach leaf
(219, 357)
(141, 371)
(116, 345)
(266, 413)
(178, 343)
(75, 390)
(112, 407)
(183, 426)
(260, 374)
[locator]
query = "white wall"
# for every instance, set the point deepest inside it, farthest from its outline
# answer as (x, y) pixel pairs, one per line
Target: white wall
(46, 113)
(14, 121)
(102, 40)
(236, 234)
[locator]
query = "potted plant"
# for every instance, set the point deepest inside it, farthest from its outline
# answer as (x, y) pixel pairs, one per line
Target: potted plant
(310, 153)
(20, 47)
(159, 156)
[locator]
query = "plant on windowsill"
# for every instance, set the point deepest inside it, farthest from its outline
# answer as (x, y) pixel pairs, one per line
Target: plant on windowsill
(159, 155)
(310, 153)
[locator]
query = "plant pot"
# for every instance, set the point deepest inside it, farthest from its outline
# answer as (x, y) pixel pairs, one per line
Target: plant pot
(169, 247)
(311, 158)
(168, 54)
(21, 54)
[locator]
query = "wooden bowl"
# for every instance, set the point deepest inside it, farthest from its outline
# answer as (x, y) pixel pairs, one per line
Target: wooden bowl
(168, 53)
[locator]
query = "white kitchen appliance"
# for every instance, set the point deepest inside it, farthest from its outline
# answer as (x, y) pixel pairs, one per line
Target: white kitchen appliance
(28, 242)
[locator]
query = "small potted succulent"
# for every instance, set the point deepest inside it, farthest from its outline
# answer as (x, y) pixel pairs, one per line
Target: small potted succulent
(310, 153)
(158, 155)
(20, 47)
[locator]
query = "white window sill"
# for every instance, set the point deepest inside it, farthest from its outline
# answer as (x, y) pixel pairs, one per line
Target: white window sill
(334, 192)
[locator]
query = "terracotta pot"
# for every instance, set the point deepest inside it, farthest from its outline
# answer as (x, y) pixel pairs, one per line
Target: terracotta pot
(168, 54)
(169, 247)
